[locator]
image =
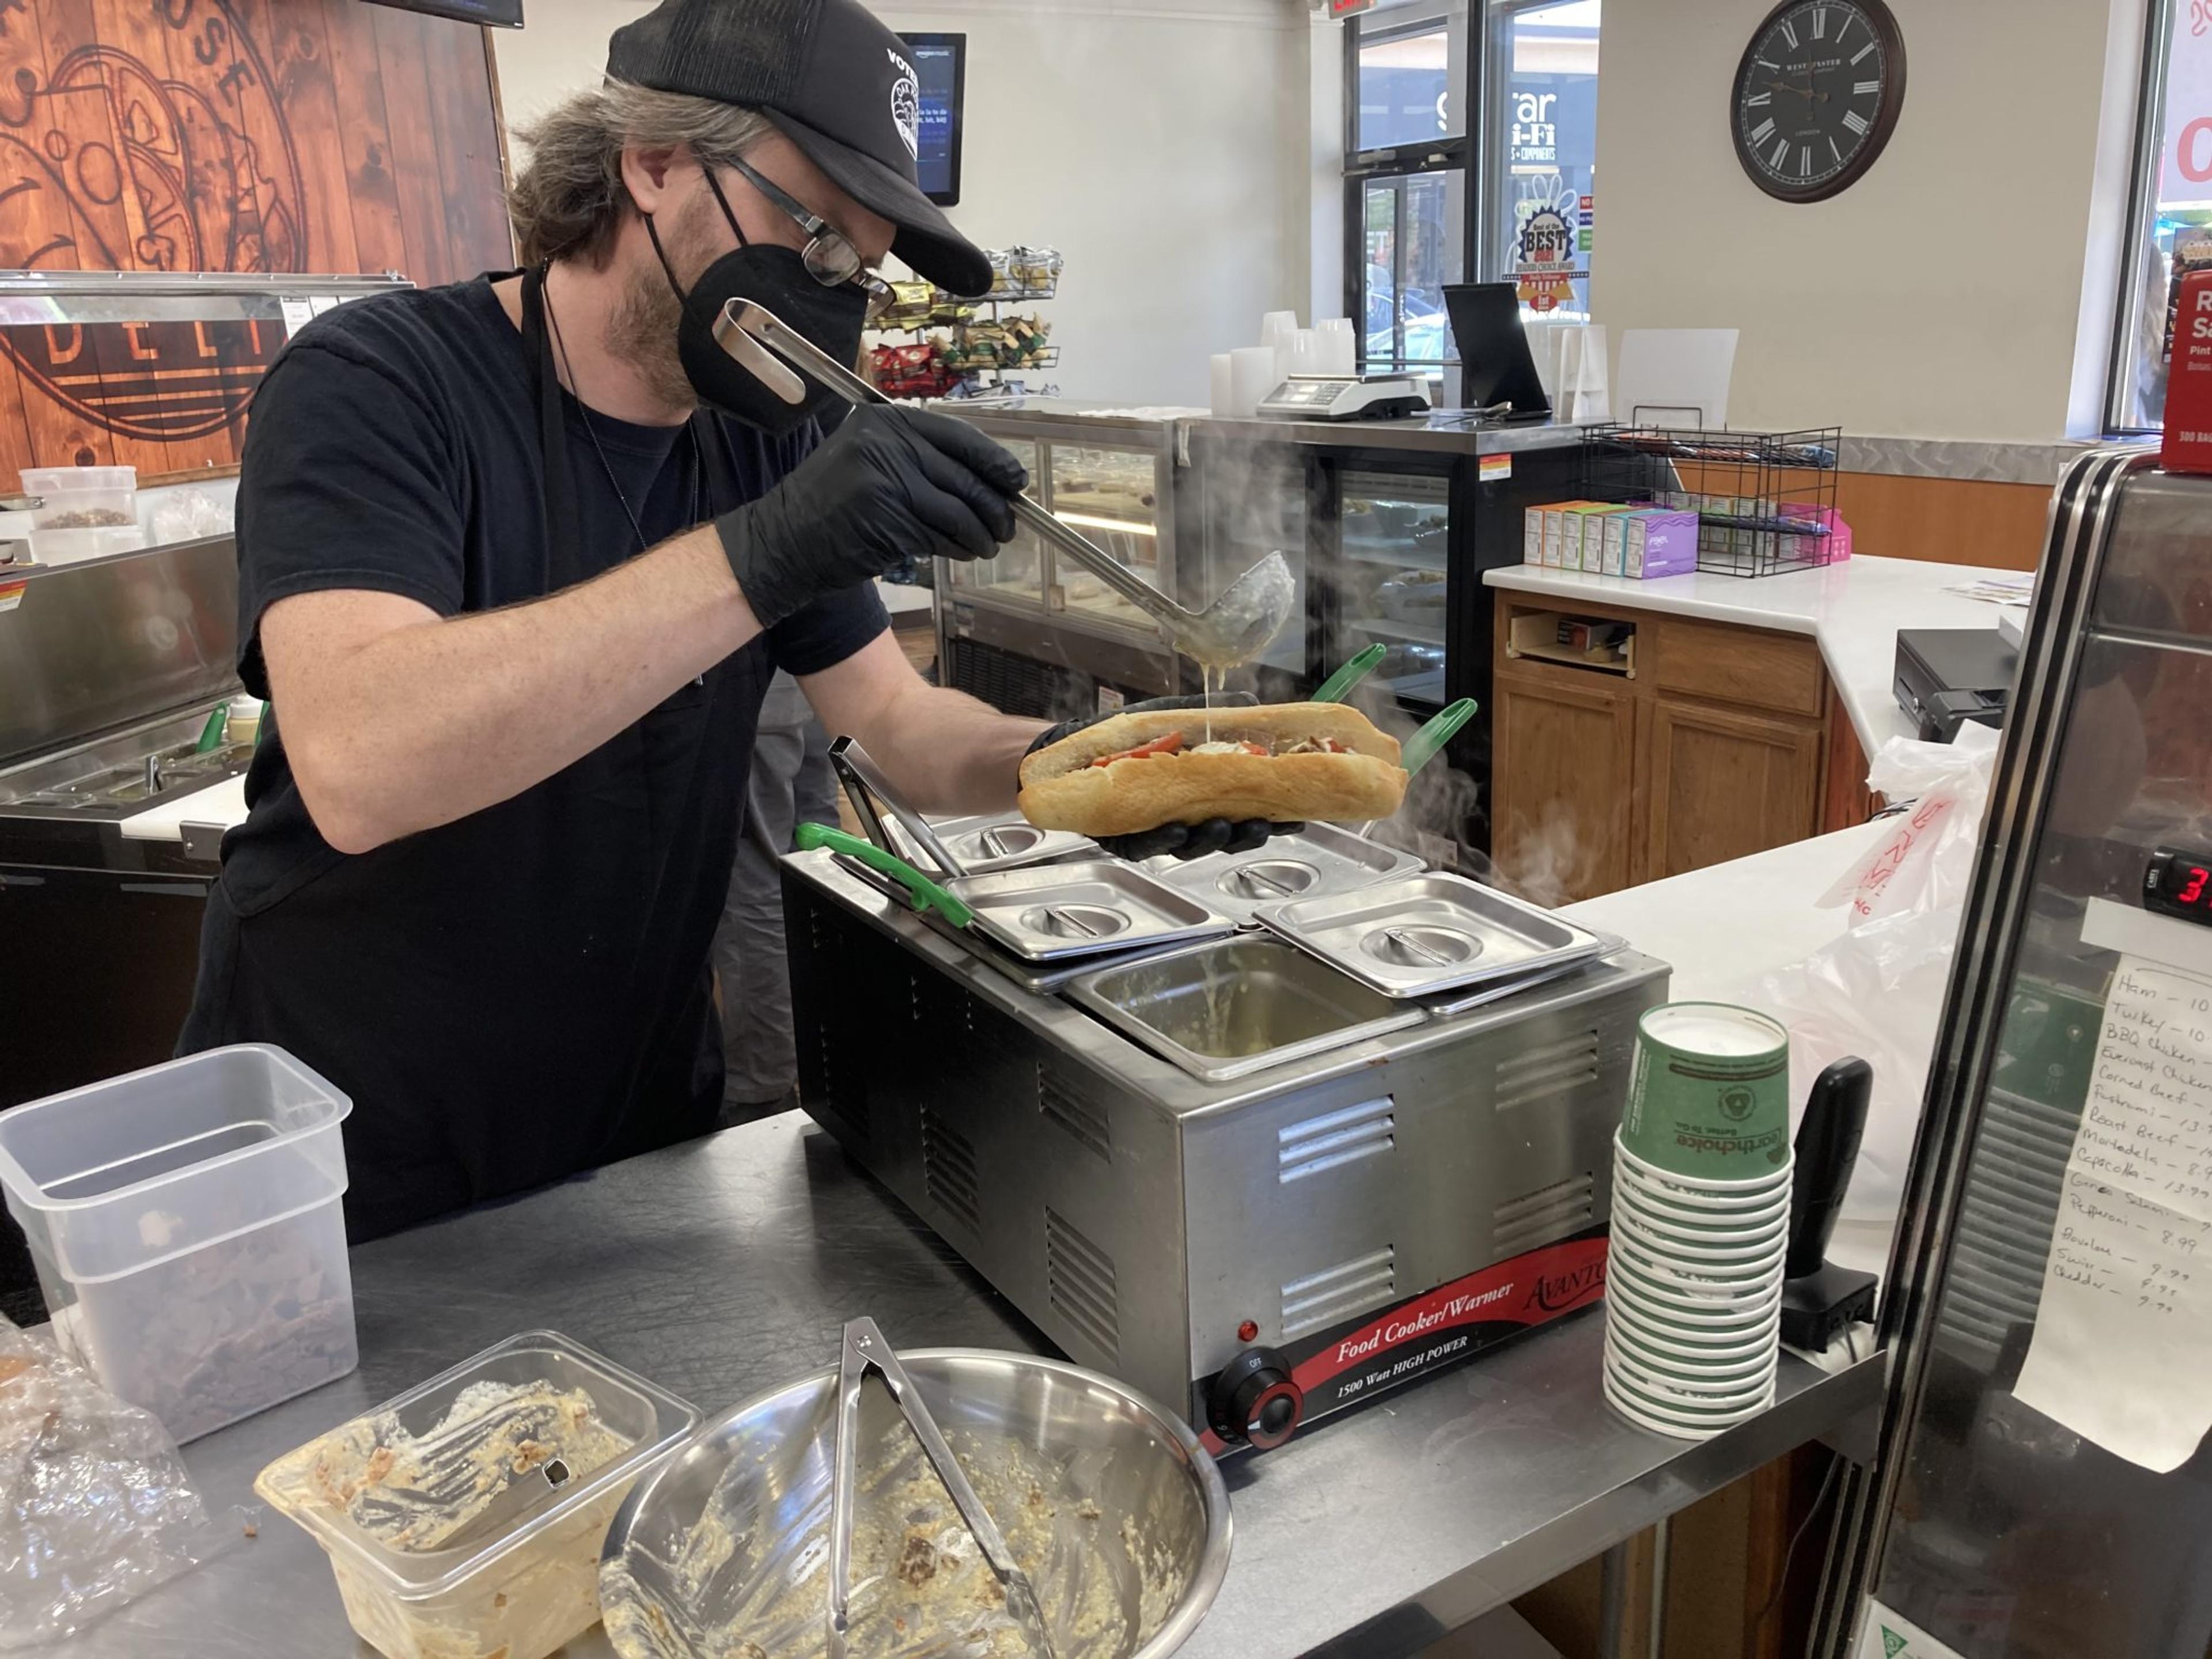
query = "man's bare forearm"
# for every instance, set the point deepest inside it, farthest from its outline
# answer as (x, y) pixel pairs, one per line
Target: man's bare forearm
(396, 719)
(942, 751)
(954, 753)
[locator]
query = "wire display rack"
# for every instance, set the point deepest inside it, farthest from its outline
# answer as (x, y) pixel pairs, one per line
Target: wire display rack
(1765, 501)
(932, 344)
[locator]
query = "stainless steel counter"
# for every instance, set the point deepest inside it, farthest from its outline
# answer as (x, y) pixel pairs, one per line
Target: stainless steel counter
(722, 1267)
(1436, 433)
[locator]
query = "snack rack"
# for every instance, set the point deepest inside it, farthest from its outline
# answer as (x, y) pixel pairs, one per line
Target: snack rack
(935, 344)
(1765, 501)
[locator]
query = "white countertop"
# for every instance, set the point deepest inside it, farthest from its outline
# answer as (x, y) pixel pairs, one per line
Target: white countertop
(1853, 610)
(222, 803)
(900, 598)
(1771, 894)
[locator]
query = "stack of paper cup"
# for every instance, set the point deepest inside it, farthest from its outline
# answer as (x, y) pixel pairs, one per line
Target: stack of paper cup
(1701, 1180)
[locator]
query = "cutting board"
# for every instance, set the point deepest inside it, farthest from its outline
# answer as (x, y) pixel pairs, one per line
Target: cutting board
(221, 802)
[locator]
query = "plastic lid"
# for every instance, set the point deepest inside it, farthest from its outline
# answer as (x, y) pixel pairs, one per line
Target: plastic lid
(51, 480)
(647, 1421)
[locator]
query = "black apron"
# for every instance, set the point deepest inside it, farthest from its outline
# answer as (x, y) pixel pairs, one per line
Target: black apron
(525, 992)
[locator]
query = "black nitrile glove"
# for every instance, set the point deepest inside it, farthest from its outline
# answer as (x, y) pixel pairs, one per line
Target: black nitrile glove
(1183, 841)
(888, 485)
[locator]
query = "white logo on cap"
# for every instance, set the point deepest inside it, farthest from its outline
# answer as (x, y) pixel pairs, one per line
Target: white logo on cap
(906, 104)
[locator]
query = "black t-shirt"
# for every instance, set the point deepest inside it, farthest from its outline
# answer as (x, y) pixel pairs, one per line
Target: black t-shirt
(523, 993)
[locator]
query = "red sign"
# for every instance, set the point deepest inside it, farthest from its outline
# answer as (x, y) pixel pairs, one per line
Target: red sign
(2189, 381)
(1347, 8)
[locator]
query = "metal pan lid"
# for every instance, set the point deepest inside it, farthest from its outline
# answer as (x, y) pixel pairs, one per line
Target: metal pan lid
(1422, 935)
(1044, 913)
(1318, 862)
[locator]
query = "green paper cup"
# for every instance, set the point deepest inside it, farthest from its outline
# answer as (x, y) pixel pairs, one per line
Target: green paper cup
(1725, 1346)
(1702, 1303)
(1658, 1422)
(1709, 1093)
(1752, 1264)
(1707, 1320)
(1629, 1214)
(1730, 1376)
(1720, 1196)
(1687, 1395)
(1635, 1194)
(1714, 1415)
(1674, 1248)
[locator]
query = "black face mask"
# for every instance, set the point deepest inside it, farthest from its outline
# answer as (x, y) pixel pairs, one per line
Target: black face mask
(776, 277)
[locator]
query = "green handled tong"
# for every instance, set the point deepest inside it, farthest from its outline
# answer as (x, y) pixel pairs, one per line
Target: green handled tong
(927, 894)
(1338, 686)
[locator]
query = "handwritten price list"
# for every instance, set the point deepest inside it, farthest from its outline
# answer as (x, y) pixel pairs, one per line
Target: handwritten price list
(2123, 1339)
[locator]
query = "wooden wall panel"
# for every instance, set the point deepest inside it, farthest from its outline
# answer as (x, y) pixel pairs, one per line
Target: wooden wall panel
(314, 136)
(1999, 526)
(1945, 521)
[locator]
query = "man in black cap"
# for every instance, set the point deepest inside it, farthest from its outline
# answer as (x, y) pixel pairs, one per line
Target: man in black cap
(517, 559)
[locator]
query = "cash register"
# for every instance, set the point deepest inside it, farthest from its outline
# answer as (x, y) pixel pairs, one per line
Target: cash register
(1948, 675)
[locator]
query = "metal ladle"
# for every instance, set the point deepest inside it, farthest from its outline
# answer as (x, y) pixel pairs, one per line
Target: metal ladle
(1234, 628)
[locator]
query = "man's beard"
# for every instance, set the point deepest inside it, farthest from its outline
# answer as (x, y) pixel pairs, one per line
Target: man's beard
(642, 332)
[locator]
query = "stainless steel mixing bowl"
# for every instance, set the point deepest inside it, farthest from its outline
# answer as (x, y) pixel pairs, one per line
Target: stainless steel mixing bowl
(725, 1542)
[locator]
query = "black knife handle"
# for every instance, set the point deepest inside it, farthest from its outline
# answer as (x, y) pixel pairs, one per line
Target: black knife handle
(1827, 1149)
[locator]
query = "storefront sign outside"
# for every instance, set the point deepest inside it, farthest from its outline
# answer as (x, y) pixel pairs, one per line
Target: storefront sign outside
(2185, 163)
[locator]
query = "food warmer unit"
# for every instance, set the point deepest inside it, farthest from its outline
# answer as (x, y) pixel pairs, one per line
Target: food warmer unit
(1390, 525)
(1031, 635)
(1256, 1186)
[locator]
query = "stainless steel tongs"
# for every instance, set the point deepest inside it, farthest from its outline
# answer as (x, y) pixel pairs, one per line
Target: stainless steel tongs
(865, 1349)
(1236, 628)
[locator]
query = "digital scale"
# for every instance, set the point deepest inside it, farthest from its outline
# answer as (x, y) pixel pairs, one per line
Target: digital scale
(1345, 398)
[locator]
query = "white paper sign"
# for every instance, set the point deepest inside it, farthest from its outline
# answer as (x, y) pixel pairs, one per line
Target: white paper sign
(297, 313)
(2123, 1342)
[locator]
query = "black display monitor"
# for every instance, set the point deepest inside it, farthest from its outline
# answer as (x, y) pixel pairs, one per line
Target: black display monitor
(940, 62)
(1496, 365)
(498, 14)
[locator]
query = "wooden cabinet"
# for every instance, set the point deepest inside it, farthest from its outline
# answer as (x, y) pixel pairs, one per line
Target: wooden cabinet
(1721, 783)
(1570, 745)
(1705, 743)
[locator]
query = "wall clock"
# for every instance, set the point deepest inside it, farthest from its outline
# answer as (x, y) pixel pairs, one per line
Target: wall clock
(1817, 96)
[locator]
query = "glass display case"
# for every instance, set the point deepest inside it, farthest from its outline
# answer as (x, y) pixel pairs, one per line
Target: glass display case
(1017, 573)
(1112, 496)
(1393, 539)
(1033, 633)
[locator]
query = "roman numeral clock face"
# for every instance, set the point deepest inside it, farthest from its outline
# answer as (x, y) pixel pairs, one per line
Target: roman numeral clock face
(1817, 96)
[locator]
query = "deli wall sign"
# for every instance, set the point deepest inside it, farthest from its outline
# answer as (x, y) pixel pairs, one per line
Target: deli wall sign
(162, 382)
(265, 137)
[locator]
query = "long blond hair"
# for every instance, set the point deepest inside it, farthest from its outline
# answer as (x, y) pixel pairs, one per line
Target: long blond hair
(568, 201)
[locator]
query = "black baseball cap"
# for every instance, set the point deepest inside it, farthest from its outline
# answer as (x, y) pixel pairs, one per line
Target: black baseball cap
(838, 85)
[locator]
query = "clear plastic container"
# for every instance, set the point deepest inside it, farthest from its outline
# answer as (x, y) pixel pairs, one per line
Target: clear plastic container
(505, 1562)
(187, 1226)
(82, 497)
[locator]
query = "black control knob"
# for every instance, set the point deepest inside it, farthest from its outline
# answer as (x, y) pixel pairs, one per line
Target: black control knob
(1255, 1401)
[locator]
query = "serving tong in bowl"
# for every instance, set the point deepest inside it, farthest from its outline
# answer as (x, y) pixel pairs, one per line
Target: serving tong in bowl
(865, 1349)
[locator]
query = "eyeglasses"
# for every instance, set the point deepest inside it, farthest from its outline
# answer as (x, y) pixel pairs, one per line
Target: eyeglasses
(830, 259)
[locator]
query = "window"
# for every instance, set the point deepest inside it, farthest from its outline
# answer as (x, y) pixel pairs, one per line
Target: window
(1406, 81)
(1539, 153)
(2171, 210)
(1429, 196)
(1409, 70)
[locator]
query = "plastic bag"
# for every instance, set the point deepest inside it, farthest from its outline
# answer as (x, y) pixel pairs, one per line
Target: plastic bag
(187, 514)
(1878, 991)
(95, 1507)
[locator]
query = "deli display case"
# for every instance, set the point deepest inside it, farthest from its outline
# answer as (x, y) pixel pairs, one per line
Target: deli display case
(1029, 632)
(1388, 526)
